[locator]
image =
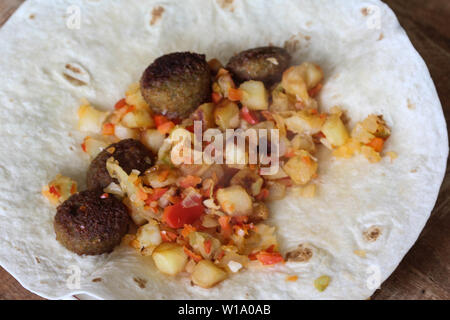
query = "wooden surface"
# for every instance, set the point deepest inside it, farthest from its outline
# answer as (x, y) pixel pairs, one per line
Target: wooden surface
(425, 270)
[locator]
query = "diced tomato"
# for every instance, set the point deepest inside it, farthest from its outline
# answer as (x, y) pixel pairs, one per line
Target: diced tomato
(157, 193)
(190, 128)
(269, 258)
(176, 216)
(104, 196)
(234, 94)
(315, 91)
(377, 144)
(216, 97)
(225, 226)
(121, 103)
(168, 236)
(159, 119)
(108, 129)
(193, 255)
(207, 245)
(189, 181)
(166, 127)
(83, 146)
(248, 116)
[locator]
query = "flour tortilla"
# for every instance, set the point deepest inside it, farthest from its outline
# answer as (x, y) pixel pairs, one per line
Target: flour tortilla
(370, 67)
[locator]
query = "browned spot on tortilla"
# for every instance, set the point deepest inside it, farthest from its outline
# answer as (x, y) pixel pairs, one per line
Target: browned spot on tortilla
(156, 14)
(307, 37)
(74, 81)
(73, 68)
(411, 106)
(372, 234)
(381, 37)
(97, 279)
(226, 4)
(309, 23)
(302, 254)
(140, 282)
(291, 45)
(414, 170)
(32, 16)
(37, 260)
(365, 11)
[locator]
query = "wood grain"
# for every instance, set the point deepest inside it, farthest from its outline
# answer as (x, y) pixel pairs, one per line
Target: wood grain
(424, 272)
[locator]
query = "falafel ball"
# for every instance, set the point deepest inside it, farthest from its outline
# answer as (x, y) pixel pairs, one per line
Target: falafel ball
(176, 84)
(89, 223)
(130, 153)
(264, 64)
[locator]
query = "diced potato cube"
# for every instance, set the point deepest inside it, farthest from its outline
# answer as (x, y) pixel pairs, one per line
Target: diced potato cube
(148, 237)
(123, 132)
(90, 119)
(139, 118)
(235, 201)
(170, 258)
(94, 146)
(335, 130)
(359, 133)
(370, 154)
(254, 95)
(134, 97)
(297, 80)
(226, 115)
(206, 274)
(304, 122)
(59, 189)
(301, 168)
(153, 139)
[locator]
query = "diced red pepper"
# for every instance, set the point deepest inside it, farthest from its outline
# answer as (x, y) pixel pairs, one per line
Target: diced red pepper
(269, 258)
(315, 91)
(189, 181)
(225, 226)
(193, 255)
(263, 194)
(53, 190)
(377, 144)
(83, 146)
(249, 116)
(159, 119)
(176, 216)
(187, 230)
(120, 104)
(108, 129)
(234, 94)
(157, 193)
(104, 195)
(216, 97)
(168, 236)
(166, 127)
(207, 245)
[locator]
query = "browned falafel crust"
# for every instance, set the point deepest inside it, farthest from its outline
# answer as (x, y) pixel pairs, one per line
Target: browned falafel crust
(89, 223)
(175, 84)
(130, 153)
(259, 64)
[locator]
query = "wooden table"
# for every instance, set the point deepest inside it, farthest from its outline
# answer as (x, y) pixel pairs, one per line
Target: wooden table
(424, 272)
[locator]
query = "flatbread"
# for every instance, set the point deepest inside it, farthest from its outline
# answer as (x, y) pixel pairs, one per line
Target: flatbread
(370, 67)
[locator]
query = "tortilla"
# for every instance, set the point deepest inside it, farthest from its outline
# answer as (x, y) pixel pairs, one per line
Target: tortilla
(370, 67)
